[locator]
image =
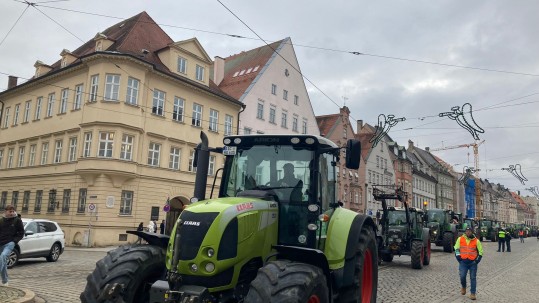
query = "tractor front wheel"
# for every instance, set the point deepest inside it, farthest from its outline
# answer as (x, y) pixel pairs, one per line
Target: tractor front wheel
(426, 258)
(417, 254)
(448, 242)
(133, 268)
(287, 281)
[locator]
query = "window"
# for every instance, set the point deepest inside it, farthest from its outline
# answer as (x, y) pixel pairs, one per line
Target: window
(285, 94)
(174, 162)
(26, 116)
(38, 108)
(112, 87)
(272, 114)
(10, 158)
(87, 144)
(78, 97)
(177, 111)
(247, 130)
(377, 161)
(132, 91)
(295, 123)
(21, 156)
(283, 119)
(200, 73)
(72, 149)
(214, 120)
(39, 199)
(94, 85)
(3, 200)
(50, 105)
(1, 157)
(182, 65)
(304, 127)
(6, 118)
(81, 206)
(153, 154)
(63, 101)
(16, 114)
(15, 199)
(228, 125)
(158, 102)
(211, 166)
(296, 100)
(260, 111)
(274, 89)
(127, 202)
(106, 141)
(32, 157)
(126, 152)
(197, 115)
(191, 167)
(58, 151)
(25, 201)
(66, 200)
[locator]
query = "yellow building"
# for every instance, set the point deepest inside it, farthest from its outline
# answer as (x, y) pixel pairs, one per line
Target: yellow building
(100, 139)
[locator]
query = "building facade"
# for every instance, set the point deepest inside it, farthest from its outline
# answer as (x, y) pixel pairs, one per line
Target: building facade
(101, 139)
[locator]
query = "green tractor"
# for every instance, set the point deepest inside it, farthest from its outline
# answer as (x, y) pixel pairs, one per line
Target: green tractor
(403, 230)
(442, 231)
(488, 229)
(275, 233)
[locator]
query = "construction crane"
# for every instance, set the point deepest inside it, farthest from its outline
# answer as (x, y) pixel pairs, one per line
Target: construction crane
(475, 146)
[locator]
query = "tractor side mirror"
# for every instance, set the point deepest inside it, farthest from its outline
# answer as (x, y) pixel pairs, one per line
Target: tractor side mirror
(353, 152)
(28, 233)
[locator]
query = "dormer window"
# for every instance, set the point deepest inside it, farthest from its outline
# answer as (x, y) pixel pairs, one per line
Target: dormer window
(64, 62)
(102, 43)
(98, 46)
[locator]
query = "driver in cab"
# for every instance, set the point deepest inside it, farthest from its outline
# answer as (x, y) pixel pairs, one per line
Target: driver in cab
(290, 181)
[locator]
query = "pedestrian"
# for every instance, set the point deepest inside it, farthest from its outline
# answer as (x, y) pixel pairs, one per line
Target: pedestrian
(151, 227)
(11, 232)
(521, 235)
(162, 227)
(154, 226)
(140, 228)
(501, 239)
(508, 238)
(469, 252)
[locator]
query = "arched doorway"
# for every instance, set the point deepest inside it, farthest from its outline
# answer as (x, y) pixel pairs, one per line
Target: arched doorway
(176, 207)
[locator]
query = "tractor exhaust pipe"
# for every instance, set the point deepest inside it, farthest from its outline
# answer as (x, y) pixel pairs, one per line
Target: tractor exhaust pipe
(201, 162)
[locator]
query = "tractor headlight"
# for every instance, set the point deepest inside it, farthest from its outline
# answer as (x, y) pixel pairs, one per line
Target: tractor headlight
(194, 267)
(210, 267)
(312, 227)
(435, 232)
(210, 252)
(398, 240)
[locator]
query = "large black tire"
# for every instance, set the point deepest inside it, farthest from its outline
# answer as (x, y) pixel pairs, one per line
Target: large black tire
(13, 258)
(418, 254)
(387, 257)
(290, 282)
(426, 258)
(135, 267)
(365, 286)
(448, 242)
(54, 253)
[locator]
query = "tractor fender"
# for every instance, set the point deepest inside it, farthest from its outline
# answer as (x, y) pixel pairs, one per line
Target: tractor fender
(152, 238)
(454, 228)
(425, 236)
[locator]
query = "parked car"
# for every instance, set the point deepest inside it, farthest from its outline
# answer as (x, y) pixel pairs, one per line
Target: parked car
(42, 238)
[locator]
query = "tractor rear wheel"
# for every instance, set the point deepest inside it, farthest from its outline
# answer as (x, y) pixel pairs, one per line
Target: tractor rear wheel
(426, 258)
(448, 242)
(418, 254)
(133, 267)
(287, 281)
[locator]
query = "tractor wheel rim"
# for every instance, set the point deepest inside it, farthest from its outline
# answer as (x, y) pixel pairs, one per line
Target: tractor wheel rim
(428, 250)
(366, 287)
(314, 299)
(422, 255)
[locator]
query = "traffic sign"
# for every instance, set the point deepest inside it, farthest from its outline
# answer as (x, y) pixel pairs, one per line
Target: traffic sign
(91, 207)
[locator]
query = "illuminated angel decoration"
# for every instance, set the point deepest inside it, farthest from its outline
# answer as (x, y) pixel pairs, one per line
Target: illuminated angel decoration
(465, 119)
(516, 171)
(383, 127)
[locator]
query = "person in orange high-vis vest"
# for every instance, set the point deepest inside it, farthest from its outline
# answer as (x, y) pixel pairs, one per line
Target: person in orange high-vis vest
(469, 252)
(521, 235)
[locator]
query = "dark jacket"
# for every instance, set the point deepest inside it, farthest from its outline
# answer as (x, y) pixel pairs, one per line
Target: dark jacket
(11, 229)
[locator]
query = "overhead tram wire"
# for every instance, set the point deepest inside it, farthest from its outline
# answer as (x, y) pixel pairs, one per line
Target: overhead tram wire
(12, 27)
(356, 53)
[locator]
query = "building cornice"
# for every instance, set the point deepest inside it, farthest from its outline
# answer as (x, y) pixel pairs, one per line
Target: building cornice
(115, 124)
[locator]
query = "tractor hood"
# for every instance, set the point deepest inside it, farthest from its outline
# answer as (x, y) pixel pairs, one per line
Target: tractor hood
(433, 225)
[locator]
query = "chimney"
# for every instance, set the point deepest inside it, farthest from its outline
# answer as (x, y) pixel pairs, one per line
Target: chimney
(518, 192)
(410, 144)
(12, 82)
(427, 149)
(359, 125)
(218, 70)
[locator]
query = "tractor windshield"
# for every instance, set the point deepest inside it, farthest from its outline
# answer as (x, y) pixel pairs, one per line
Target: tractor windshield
(396, 217)
(487, 223)
(435, 215)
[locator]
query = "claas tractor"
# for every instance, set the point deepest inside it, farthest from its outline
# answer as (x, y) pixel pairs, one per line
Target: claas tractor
(275, 233)
(404, 231)
(442, 231)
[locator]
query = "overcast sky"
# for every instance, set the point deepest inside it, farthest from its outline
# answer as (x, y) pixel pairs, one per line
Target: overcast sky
(494, 35)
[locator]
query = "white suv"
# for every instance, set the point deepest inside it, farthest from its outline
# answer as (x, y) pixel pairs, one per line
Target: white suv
(42, 238)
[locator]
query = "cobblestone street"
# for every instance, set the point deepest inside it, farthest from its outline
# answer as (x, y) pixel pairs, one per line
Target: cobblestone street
(502, 277)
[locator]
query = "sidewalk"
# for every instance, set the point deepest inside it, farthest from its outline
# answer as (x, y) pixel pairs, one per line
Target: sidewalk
(18, 295)
(103, 249)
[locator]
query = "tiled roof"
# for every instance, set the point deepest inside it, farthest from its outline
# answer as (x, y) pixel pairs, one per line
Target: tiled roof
(241, 69)
(326, 123)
